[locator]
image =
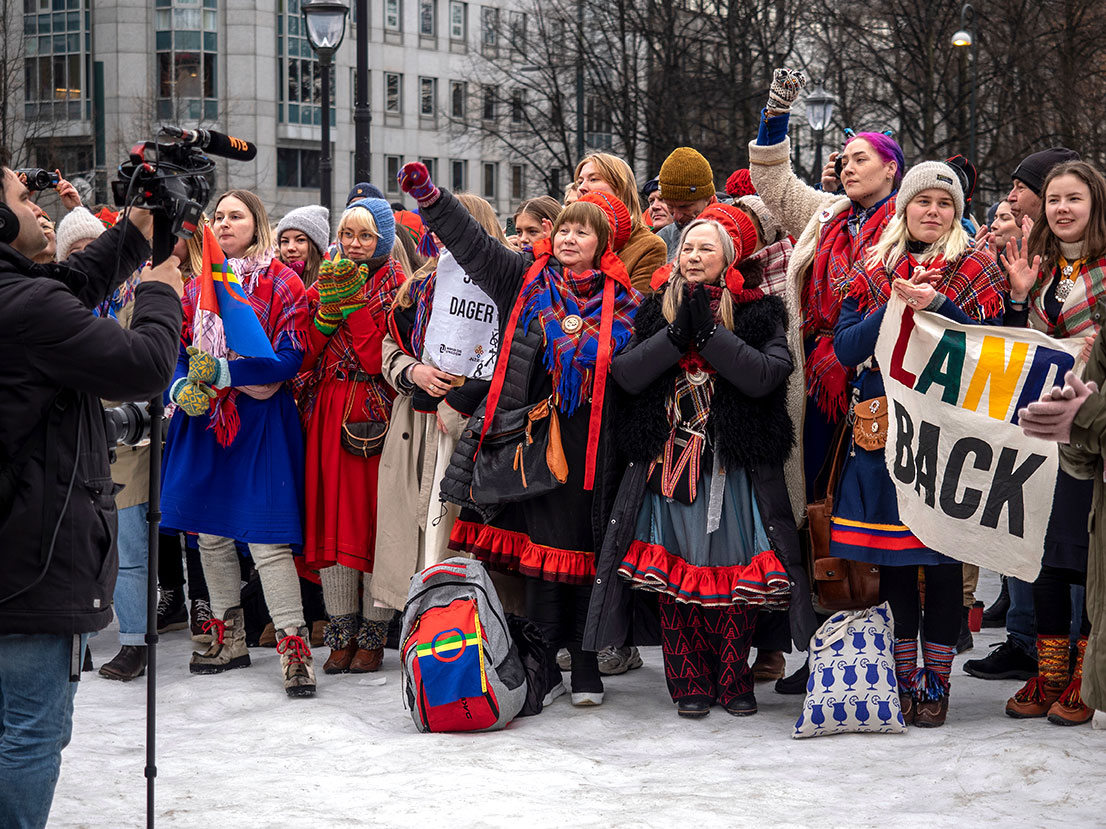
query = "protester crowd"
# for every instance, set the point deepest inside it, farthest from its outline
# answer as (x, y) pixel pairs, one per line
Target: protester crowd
(692, 363)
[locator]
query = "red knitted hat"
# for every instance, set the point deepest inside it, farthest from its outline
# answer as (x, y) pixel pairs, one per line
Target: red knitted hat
(740, 184)
(737, 224)
(618, 217)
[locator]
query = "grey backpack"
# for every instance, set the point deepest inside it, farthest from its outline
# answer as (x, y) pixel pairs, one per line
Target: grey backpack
(461, 670)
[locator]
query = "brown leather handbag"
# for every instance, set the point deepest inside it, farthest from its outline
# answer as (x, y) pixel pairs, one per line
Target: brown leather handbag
(870, 423)
(839, 584)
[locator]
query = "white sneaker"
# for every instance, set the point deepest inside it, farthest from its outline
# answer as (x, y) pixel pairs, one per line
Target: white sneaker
(564, 659)
(614, 661)
(585, 699)
(557, 690)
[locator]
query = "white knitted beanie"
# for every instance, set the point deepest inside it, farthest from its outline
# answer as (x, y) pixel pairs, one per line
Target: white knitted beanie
(78, 224)
(313, 220)
(930, 175)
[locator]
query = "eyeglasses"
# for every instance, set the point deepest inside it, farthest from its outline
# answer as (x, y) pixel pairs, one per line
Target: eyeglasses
(347, 236)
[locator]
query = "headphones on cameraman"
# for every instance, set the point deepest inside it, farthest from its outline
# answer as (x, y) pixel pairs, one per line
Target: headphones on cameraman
(9, 224)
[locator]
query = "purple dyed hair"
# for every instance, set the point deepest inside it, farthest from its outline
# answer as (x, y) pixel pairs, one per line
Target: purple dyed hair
(887, 149)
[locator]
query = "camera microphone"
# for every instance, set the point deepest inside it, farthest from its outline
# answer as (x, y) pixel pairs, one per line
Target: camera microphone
(215, 143)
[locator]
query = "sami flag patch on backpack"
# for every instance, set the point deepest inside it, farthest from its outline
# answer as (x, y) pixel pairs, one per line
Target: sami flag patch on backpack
(452, 661)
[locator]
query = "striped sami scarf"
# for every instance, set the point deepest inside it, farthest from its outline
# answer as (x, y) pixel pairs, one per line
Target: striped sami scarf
(839, 258)
(1075, 312)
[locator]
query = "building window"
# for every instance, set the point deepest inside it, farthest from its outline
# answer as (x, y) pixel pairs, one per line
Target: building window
(428, 97)
(431, 166)
(393, 92)
(298, 168)
(428, 24)
(393, 15)
(489, 103)
(187, 47)
(517, 101)
(458, 20)
(518, 180)
(55, 62)
(458, 175)
(392, 163)
(490, 174)
(458, 93)
(489, 29)
(598, 125)
(299, 75)
(518, 31)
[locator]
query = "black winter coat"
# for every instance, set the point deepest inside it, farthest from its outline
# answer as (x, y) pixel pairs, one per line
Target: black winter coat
(499, 272)
(748, 425)
(57, 360)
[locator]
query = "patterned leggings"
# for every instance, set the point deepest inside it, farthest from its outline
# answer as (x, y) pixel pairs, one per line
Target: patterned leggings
(706, 650)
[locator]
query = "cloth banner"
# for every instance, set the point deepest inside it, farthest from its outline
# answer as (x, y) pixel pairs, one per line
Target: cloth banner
(462, 335)
(970, 484)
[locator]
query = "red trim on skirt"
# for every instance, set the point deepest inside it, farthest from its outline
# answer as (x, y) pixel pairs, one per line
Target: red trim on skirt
(762, 582)
(514, 551)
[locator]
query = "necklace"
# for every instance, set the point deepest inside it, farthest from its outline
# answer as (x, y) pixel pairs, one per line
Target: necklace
(1068, 272)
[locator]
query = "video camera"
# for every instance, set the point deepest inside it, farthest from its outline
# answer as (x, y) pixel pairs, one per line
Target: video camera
(128, 423)
(38, 179)
(176, 177)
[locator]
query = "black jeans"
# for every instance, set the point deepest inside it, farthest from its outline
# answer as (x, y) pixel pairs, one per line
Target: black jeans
(1052, 599)
(944, 599)
(170, 566)
(561, 612)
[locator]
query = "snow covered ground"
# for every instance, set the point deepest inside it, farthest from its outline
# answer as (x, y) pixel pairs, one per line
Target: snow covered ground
(234, 751)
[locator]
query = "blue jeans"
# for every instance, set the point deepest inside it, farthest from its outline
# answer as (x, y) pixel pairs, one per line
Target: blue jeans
(36, 721)
(134, 565)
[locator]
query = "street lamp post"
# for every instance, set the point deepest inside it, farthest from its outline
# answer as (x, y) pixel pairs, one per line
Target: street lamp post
(968, 36)
(326, 26)
(362, 115)
(819, 112)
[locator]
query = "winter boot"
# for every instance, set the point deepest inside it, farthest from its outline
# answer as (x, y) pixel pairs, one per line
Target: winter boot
(995, 615)
(769, 666)
(171, 614)
(371, 636)
(341, 638)
(931, 685)
(228, 647)
(318, 633)
(965, 642)
(1039, 693)
(128, 664)
(200, 615)
(268, 637)
(296, 663)
(1069, 709)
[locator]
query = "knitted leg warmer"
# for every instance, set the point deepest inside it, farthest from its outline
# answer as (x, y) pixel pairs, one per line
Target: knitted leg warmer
(906, 663)
(280, 583)
(932, 683)
(340, 590)
(221, 572)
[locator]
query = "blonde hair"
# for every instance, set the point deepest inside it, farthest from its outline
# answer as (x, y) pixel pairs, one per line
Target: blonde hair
(481, 210)
(674, 290)
(620, 177)
(892, 243)
(359, 219)
(194, 249)
(262, 231)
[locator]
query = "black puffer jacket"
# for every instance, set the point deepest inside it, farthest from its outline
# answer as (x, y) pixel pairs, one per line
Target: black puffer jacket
(749, 427)
(57, 361)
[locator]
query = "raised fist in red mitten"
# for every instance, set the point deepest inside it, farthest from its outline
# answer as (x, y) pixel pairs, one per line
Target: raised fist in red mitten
(414, 178)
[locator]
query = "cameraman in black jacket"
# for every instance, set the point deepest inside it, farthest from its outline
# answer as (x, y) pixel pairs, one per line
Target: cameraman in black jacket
(57, 529)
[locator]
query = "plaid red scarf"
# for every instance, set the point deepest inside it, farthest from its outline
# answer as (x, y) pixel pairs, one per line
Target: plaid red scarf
(615, 291)
(340, 356)
(974, 283)
(838, 259)
(423, 297)
(277, 297)
(1075, 312)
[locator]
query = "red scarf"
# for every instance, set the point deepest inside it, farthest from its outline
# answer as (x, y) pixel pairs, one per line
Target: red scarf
(616, 278)
(974, 283)
(837, 261)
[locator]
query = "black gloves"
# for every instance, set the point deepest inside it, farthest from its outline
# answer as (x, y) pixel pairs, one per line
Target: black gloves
(702, 320)
(680, 330)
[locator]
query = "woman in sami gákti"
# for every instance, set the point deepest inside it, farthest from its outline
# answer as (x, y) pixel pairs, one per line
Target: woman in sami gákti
(1056, 282)
(926, 257)
(569, 308)
(703, 515)
(234, 454)
(346, 403)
